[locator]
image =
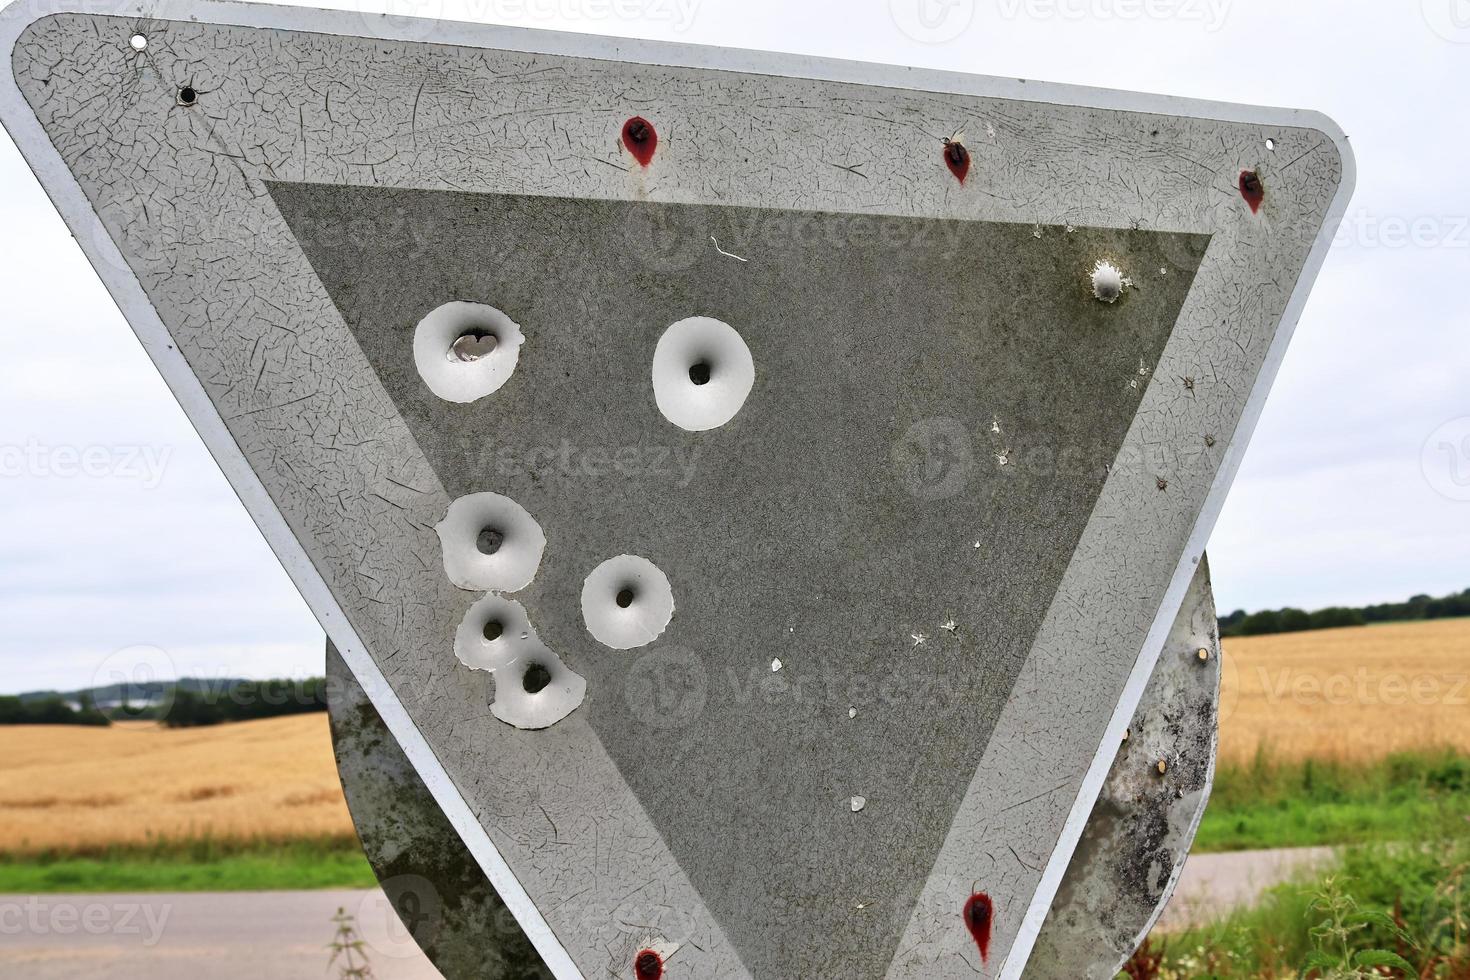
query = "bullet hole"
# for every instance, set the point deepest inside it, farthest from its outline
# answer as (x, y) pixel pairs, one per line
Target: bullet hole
(1271, 144)
(624, 598)
(492, 630)
(1209, 442)
(138, 42)
(957, 159)
(641, 139)
(979, 914)
(1203, 654)
(1189, 384)
(1163, 484)
(699, 373)
(1107, 282)
(473, 344)
(187, 96)
(648, 965)
(489, 540)
(1252, 189)
(536, 679)
(1163, 767)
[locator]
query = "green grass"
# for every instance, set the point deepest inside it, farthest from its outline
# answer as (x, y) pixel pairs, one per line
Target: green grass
(1411, 899)
(1308, 804)
(186, 866)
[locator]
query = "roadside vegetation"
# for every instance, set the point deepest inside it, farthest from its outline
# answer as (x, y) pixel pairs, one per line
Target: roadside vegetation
(1309, 803)
(201, 864)
(1387, 910)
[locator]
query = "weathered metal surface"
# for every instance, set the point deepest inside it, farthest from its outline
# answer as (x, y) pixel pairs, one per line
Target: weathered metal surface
(1118, 883)
(928, 562)
(1138, 837)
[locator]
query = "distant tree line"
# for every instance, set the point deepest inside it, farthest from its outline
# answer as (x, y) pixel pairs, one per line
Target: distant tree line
(244, 701)
(52, 710)
(1420, 607)
(188, 703)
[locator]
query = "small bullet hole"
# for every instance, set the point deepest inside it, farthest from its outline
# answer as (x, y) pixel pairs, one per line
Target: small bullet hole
(648, 966)
(493, 629)
(1271, 145)
(625, 598)
(699, 373)
(536, 679)
(187, 96)
(490, 540)
(137, 42)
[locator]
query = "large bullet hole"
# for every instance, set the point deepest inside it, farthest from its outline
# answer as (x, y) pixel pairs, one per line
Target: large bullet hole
(490, 540)
(536, 679)
(493, 629)
(473, 344)
(699, 373)
(625, 598)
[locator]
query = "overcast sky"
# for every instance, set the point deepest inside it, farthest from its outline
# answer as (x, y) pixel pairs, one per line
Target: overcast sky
(117, 531)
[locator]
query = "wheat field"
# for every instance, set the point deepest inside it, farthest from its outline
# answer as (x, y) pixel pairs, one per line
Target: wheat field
(1354, 694)
(1351, 694)
(74, 788)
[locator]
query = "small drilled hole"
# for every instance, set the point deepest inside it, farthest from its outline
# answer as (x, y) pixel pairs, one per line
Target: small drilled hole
(699, 373)
(489, 541)
(536, 679)
(187, 96)
(625, 598)
(473, 345)
(493, 629)
(137, 42)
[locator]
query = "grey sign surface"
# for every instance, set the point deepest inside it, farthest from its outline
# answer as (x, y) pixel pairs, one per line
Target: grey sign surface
(1118, 883)
(920, 576)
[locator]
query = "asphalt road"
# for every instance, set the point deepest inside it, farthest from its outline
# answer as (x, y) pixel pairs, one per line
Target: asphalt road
(286, 935)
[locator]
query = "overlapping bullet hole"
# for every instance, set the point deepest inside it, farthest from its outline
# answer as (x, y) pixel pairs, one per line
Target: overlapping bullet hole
(533, 688)
(490, 543)
(627, 602)
(465, 351)
(702, 373)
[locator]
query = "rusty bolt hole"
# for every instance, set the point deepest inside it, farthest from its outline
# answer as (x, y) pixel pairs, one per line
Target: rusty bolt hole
(625, 598)
(490, 540)
(493, 629)
(699, 373)
(473, 344)
(536, 679)
(187, 96)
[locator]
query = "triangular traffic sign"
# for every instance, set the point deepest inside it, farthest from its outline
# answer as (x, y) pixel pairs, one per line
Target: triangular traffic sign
(743, 496)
